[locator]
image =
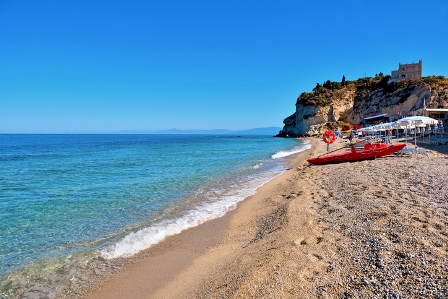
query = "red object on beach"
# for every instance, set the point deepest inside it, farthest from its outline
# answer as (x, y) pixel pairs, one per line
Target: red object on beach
(371, 150)
(329, 136)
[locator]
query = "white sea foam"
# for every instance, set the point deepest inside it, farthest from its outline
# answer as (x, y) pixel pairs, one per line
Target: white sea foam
(300, 148)
(257, 166)
(227, 200)
(144, 238)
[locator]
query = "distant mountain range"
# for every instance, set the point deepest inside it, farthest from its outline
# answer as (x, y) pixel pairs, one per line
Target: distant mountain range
(256, 131)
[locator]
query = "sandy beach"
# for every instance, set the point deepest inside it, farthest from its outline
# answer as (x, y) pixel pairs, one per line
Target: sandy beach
(370, 229)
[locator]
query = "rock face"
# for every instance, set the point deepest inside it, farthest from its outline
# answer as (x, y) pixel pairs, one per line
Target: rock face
(328, 109)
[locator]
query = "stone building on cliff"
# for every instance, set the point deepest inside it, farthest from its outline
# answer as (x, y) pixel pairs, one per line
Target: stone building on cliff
(407, 71)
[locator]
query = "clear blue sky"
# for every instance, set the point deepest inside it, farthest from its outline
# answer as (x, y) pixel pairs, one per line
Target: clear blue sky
(89, 66)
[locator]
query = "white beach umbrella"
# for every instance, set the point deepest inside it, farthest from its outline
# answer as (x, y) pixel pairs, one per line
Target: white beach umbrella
(396, 125)
(384, 127)
(376, 128)
(419, 120)
(402, 126)
(416, 121)
(369, 130)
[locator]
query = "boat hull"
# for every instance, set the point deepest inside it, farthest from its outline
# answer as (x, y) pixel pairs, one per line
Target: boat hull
(369, 151)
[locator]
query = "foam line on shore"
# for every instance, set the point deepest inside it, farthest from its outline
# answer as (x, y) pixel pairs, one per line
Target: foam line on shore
(148, 236)
(303, 147)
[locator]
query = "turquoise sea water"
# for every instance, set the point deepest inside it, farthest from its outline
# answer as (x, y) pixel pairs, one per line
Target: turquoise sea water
(109, 196)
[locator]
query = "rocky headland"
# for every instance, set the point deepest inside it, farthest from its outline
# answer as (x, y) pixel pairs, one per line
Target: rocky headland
(334, 105)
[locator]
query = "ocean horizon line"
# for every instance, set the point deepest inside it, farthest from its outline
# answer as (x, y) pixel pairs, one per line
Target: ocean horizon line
(173, 131)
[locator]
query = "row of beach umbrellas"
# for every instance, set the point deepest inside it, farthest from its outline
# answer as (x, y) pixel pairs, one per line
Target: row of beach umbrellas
(411, 122)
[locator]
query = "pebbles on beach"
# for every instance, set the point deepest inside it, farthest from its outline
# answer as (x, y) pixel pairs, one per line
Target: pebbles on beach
(392, 214)
(370, 229)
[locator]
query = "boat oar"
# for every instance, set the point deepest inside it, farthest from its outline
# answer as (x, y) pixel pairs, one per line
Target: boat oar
(345, 146)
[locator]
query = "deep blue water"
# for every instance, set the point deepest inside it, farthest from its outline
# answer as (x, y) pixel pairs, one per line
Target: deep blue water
(113, 195)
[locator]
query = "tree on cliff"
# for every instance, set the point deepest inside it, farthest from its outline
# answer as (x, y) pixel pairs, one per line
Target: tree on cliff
(343, 80)
(319, 88)
(327, 84)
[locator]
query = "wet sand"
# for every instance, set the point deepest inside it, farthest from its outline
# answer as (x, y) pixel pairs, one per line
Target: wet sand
(370, 229)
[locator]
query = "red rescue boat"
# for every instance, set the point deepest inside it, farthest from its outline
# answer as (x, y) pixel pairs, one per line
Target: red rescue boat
(371, 150)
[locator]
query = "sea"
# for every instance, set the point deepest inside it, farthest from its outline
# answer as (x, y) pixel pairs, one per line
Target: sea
(69, 200)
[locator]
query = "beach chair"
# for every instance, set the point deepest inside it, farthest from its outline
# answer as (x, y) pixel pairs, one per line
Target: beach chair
(414, 151)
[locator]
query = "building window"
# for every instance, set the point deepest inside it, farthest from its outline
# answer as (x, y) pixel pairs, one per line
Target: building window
(403, 69)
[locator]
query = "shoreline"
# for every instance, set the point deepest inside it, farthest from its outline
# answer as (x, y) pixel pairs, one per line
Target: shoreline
(308, 234)
(182, 249)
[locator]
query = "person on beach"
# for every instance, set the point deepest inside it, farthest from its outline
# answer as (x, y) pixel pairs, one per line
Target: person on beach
(389, 136)
(350, 137)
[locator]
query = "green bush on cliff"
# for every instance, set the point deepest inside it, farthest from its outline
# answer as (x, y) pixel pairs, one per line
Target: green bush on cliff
(438, 81)
(331, 92)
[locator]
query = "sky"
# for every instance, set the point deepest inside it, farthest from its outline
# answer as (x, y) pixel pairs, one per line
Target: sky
(112, 66)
